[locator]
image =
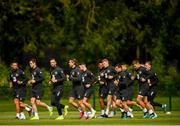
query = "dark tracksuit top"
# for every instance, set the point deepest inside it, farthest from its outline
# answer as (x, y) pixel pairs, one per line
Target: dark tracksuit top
(75, 76)
(38, 77)
(19, 90)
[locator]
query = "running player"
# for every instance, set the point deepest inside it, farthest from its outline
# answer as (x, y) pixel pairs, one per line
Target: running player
(18, 82)
(153, 89)
(36, 91)
(57, 81)
(87, 80)
(77, 91)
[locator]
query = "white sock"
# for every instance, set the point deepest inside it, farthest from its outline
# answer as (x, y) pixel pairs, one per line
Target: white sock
(22, 115)
(36, 114)
(107, 111)
(144, 110)
(49, 108)
(18, 115)
(27, 109)
(150, 111)
(102, 112)
(92, 110)
(128, 113)
(122, 110)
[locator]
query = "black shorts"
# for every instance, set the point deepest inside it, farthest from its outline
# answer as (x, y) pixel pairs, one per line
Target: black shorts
(143, 89)
(112, 89)
(77, 92)
(103, 91)
(130, 91)
(152, 92)
(19, 94)
(124, 95)
(56, 95)
(37, 92)
(88, 92)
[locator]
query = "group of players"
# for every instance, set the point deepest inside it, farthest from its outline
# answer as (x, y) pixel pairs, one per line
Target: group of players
(115, 89)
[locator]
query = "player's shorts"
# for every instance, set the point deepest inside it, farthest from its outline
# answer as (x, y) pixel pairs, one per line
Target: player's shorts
(37, 92)
(124, 95)
(103, 91)
(57, 94)
(20, 93)
(112, 89)
(152, 92)
(88, 92)
(143, 89)
(77, 92)
(130, 91)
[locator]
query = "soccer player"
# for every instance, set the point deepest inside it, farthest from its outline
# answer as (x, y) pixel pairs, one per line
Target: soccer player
(123, 80)
(103, 91)
(57, 81)
(142, 98)
(18, 82)
(36, 91)
(110, 73)
(130, 87)
(153, 89)
(77, 91)
(87, 79)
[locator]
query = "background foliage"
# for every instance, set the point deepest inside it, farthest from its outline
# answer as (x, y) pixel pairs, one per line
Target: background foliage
(121, 30)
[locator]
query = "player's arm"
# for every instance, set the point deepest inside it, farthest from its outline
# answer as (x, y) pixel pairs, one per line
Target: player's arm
(23, 79)
(40, 77)
(76, 77)
(61, 77)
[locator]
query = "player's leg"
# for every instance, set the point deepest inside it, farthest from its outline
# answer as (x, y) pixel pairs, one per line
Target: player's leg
(17, 105)
(86, 102)
(34, 109)
(150, 108)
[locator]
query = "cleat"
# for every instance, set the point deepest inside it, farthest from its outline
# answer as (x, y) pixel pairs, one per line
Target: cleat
(83, 118)
(60, 117)
(123, 114)
(92, 115)
(164, 107)
(146, 115)
(105, 116)
(111, 114)
(30, 112)
(153, 116)
(81, 114)
(35, 118)
(50, 111)
(66, 110)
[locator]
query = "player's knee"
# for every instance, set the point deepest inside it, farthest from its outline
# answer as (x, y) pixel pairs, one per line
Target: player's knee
(71, 101)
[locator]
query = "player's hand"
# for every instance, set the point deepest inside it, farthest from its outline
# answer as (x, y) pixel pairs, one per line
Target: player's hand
(67, 77)
(132, 77)
(53, 80)
(19, 82)
(50, 82)
(116, 82)
(143, 79)
(110, 77)
(101, 82)
(87, 85)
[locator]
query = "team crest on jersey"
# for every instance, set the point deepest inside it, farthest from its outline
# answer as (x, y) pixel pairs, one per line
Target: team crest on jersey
(56, 72)
(108, 71)
(16, 75)
(72, 73)
(140, 72)
(34, 73)
(102, 74)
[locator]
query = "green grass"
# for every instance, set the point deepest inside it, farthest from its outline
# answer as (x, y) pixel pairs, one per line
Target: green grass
(7, 114)
(7, 118)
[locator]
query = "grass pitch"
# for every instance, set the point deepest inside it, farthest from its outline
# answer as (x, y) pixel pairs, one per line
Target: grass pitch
(7, 118)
